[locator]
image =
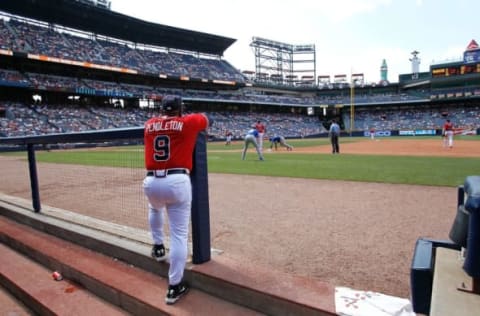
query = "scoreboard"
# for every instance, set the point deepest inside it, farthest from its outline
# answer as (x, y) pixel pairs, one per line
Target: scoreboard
(470, 64)
(455, 70)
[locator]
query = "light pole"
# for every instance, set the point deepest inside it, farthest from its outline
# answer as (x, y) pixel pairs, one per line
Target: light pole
(352, 106)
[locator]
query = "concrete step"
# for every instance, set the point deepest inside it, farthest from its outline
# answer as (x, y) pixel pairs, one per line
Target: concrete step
(90, 280)
(33, 284)
(258, 289)
(10, 305)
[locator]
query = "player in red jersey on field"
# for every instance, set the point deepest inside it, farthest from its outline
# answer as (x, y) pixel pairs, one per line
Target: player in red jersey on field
(228, 139)
(261, 129)
(169, 142)
(448, 134)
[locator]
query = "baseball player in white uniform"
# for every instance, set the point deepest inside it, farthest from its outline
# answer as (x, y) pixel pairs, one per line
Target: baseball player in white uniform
(251, 138)
(169, 143)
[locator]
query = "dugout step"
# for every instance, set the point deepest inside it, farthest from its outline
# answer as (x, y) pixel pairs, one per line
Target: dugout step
(33, 285)
(240, 283)
(9, 305)
(89, 279)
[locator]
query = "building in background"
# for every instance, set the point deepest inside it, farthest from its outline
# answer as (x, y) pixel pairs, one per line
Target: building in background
(384, 73)
(415, 64)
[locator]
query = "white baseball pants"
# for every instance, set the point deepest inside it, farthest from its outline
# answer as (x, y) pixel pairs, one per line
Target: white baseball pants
(172, 194)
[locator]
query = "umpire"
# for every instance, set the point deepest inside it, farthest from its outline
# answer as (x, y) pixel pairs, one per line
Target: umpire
(334, 134)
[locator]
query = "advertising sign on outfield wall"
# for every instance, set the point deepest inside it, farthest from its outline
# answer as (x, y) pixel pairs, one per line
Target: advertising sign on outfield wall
(425, 132)
(417, 132)
(378, 133)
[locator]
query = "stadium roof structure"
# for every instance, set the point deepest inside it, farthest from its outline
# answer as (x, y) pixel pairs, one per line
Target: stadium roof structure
(77, 15)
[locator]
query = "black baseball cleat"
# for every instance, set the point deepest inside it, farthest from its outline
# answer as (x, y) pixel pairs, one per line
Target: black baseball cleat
(175, 292)
(159, 253)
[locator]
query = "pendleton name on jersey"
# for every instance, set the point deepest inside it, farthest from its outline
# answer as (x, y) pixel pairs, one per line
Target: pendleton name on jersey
(163, 126)
(169, 140)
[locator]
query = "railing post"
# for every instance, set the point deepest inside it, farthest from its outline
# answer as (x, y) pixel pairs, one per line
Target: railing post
(32, 166)
(460, 195)
(200, 203)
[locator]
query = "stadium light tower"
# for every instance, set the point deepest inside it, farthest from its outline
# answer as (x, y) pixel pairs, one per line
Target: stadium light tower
(282, 63)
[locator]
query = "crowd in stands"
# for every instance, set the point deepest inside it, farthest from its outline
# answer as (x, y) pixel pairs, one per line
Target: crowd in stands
(53, 82)
(287, 125)
(38, 119)
(414, 119)
(13, 77)
(21, 120)
(55, 42)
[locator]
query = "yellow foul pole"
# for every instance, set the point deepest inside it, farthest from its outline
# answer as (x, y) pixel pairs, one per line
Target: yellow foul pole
(352, 108)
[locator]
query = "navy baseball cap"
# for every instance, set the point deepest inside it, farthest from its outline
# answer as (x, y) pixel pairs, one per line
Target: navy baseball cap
(172, 103)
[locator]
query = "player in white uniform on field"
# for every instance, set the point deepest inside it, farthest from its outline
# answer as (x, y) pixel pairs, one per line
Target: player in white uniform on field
(251, 139)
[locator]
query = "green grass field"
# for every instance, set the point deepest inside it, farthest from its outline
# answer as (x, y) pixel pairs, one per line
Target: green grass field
(437, 171)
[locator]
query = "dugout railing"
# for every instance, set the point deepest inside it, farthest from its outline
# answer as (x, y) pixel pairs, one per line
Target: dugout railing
(200, 213)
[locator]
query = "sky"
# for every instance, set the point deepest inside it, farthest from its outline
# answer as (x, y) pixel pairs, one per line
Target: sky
(350, 36)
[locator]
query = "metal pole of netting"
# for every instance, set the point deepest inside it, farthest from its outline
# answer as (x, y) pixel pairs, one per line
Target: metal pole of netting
(200, 202)
(32, 166)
